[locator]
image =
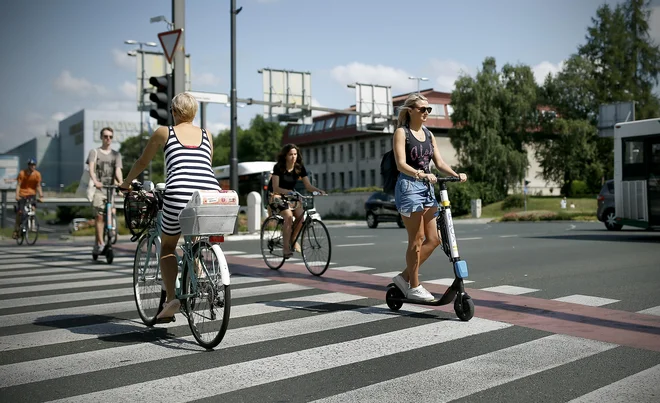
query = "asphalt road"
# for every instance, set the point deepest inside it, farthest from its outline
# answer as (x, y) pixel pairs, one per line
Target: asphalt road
(552, 260)
(565, 312)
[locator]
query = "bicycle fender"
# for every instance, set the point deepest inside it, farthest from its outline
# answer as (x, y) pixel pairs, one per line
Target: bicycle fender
(224, 267)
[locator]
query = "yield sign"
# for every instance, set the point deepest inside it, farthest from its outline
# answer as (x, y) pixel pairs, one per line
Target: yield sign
(169, 40)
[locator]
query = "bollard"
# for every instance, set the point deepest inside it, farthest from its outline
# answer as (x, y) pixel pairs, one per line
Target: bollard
(254, 212)
(475, 205)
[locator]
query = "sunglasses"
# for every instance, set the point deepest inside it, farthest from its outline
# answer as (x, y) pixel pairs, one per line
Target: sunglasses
(107, 137)
(426, 109)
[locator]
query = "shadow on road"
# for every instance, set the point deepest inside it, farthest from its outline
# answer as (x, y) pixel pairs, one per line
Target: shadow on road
(637, 237)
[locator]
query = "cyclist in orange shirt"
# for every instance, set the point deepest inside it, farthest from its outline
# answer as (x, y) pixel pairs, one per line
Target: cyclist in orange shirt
(29, 184)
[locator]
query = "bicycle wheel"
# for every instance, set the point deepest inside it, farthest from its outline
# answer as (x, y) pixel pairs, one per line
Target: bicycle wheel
(208, 304)
(21, 235)
(314, 243)
(271, 242)
(114, 231)
(149, 295)
(31, 230)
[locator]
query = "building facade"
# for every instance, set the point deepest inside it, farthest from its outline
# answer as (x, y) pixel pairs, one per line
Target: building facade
(61, 157)
(343, 157)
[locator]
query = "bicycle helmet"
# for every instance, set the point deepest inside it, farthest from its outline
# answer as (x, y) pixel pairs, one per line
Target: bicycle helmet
(31, 161)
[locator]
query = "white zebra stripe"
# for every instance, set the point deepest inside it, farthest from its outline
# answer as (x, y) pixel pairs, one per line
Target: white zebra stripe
(482, 372)
(57, 277)
(74, 364)
(68, 286)
(243, 375)
(87, 295)
(643, 386)
(80, 333)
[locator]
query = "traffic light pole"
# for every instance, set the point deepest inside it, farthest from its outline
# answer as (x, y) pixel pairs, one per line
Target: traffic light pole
(233, 158)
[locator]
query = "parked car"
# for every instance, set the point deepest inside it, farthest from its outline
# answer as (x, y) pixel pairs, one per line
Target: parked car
(379, 208)
(605, 211)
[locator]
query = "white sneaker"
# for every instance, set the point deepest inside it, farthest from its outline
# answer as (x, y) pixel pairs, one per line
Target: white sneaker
(419, 293)
(401, 283)
(98, 249)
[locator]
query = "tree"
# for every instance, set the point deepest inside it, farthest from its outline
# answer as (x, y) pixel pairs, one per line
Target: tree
(567, 151)
(130, 151)
(493, 115)
(260, 142)
(625, 59)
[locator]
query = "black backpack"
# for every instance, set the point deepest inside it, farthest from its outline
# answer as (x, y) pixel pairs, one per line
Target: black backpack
(388, 169)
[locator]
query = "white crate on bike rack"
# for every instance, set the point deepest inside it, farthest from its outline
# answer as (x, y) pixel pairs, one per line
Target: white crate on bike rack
(210, 213)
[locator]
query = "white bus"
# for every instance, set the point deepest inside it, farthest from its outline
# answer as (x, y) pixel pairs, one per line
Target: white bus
(253, 176)
(637, 173)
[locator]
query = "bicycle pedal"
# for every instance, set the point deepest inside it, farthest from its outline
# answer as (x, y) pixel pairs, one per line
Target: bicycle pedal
(166, 320)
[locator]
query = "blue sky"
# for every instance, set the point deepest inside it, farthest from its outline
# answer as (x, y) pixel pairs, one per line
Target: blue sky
(66, 55)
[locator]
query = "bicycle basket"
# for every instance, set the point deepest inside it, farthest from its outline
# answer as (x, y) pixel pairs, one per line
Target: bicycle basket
(139, 212)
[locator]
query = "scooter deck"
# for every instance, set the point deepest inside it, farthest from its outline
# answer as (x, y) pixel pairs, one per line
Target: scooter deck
(437, 301)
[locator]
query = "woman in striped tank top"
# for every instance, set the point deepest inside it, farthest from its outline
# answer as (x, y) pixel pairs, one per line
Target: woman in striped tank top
(188, 155)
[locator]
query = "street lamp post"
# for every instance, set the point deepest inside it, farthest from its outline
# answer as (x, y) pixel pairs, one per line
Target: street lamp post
(160, 18)
(141, 44)
(418, 80)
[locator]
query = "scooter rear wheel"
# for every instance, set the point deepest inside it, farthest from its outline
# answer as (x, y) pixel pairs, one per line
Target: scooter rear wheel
(464, 308)
(393, 297)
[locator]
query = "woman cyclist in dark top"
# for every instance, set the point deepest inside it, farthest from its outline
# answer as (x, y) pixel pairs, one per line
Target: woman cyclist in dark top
(286, 172)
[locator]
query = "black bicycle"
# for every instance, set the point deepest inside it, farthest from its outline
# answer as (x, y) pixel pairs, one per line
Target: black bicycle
(314, 238)
(29, 227)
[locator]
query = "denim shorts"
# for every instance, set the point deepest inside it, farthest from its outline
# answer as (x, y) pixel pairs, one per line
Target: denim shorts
(411, 195)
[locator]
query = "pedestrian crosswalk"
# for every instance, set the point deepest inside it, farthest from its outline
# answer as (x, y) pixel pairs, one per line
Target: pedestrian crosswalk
(69, 332)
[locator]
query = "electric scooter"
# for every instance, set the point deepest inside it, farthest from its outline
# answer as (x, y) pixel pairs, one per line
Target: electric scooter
(463, 305)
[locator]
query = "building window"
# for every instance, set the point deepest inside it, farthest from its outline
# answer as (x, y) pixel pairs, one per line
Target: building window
(329, 124)
(350, 179)
(308, 155)
(308, 128)
(438, 110)
(351, 120)
(383, 145)
(324, 180)
(318, 126)
(316, 155)
(332, 180)
(350, 152)
(363, 178)
(341, 122)
(372, 149)
(341, 153)
(332, 154)
(373, 177)
(363, 153)
(324, 156)
(342, 184)
(633, 152)
(450, 110)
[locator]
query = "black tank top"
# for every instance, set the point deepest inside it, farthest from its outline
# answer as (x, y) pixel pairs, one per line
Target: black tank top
(419, 153)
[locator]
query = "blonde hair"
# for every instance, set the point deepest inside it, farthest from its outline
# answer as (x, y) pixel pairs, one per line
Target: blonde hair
(404, 110)
(184, 107)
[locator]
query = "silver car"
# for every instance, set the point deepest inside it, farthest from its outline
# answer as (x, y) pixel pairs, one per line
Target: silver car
(605, 212)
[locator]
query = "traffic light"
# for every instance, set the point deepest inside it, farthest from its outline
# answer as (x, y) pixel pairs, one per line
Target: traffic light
(161, 99)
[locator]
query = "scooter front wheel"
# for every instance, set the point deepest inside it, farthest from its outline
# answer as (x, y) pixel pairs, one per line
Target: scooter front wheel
(393, 298)
(464, 307)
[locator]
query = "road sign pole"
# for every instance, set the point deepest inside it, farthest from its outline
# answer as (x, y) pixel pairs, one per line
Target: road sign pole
(179, 73)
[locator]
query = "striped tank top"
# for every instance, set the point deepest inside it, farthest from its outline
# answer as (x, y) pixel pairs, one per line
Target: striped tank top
(188, 168)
